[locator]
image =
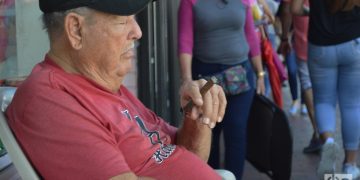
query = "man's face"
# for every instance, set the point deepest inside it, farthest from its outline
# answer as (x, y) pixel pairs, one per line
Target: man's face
(108, 47)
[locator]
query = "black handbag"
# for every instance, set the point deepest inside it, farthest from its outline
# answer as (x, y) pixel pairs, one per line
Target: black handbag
(269, 139)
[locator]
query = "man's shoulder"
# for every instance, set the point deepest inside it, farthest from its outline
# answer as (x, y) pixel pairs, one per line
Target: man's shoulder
(38, 79)
(39, 83)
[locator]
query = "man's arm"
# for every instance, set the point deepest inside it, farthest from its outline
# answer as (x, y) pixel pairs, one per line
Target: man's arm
(208, 109)
(195, 137)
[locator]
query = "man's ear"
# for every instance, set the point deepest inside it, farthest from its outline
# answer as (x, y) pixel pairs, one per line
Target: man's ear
(73, 26)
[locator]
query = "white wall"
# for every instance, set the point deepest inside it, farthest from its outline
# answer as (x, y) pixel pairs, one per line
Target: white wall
(31, 39)
(26, 40)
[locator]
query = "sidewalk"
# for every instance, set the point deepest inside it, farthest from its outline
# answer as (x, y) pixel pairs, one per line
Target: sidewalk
(303, 165)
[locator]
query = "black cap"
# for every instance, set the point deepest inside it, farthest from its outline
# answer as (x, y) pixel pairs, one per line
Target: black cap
(117, 7)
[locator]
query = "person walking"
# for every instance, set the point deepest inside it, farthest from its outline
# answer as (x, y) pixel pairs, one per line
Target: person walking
(334, 64)
(299, 53)
(216, 37)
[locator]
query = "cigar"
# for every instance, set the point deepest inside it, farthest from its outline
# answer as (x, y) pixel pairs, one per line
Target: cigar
(203, 91)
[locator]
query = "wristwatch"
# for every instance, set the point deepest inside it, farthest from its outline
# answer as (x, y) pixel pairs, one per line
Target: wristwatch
(261, 74)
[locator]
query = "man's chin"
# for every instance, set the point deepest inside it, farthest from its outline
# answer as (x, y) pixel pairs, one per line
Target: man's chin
(125, 71)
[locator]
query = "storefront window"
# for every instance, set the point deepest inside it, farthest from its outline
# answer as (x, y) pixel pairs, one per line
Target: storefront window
(23, 41)
(8, 67)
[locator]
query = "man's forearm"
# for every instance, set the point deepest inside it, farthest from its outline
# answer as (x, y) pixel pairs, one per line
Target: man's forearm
(195, 137)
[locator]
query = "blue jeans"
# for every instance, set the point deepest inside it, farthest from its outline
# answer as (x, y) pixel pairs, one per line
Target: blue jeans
(234, 123)
(291, 65)
(266, 82)
(335, 75)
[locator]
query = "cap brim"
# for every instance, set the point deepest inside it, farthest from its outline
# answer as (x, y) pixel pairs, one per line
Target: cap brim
(120, 7)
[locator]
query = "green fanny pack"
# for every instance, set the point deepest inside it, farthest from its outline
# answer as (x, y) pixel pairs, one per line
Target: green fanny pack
(233, 80)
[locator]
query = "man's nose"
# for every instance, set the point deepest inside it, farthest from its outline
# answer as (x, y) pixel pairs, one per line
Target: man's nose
(135, 32)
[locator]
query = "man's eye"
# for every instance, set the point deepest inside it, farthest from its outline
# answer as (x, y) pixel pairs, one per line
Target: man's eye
(122, 22)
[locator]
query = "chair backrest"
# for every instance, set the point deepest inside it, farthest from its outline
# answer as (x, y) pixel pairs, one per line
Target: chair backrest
(23, 166)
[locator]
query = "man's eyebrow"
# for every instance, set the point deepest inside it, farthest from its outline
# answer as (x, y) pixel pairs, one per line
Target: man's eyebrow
(118, 18)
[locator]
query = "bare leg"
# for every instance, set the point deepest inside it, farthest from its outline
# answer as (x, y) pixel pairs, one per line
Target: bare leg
(325, 136)
(350, 166)
(351, 156)
(315, 142)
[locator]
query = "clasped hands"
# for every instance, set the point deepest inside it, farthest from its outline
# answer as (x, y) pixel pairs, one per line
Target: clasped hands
(208, 109)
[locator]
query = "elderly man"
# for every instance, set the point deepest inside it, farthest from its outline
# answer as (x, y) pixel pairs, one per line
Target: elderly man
(75, 120)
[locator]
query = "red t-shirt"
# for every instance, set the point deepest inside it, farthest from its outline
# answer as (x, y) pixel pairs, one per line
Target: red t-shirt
(71, 128)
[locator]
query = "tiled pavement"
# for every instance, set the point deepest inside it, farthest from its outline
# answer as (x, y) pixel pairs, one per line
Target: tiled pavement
(303, 165)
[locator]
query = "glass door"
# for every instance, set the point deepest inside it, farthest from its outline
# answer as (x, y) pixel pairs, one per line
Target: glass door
(158, 75)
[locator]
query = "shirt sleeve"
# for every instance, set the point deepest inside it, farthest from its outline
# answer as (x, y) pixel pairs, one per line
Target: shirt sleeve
(185, 27)
(63, 135)
(251, 35)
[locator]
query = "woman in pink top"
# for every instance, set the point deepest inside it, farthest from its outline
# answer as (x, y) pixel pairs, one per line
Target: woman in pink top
(215, 35)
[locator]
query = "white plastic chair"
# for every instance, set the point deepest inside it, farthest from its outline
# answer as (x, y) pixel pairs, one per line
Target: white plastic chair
(23, 166)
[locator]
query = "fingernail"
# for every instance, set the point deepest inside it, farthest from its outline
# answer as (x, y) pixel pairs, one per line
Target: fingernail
(206, 120)
(219, 119)
(199, 100)
(212, 125)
